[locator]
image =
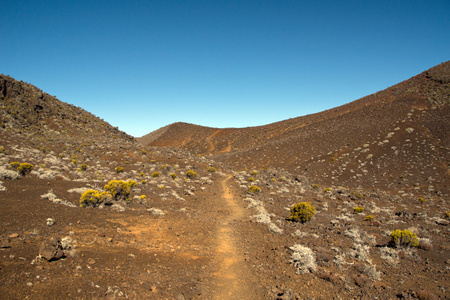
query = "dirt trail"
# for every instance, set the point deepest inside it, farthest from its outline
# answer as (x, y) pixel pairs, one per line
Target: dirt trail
(233, 278)
(211, 145)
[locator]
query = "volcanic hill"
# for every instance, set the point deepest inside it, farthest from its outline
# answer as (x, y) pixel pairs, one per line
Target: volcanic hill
(394, 139)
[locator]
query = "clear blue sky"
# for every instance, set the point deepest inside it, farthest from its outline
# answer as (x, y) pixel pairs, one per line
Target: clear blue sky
(141, 65)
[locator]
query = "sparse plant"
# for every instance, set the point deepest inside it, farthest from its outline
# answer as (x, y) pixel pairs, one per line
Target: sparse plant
(2, 150)
(75, 162)
(191, 174)
(174, 176)
(163, 167)
(83, 167)
(94, 198)
(315, 186)
(142, 197)
(422, 200)
(119, 189)
(141, 174)
(403, 238)
(447, 215)
(212, 169)
(144, 181)
(14, 164)
(155, 174)
(119, 170)
(254, 173)
(251, 179)
(303, 259)
(358, 210)
(24, 168)
(327, 190)
(144, 152)
(302, 212)
(369, 218)
(254, 189)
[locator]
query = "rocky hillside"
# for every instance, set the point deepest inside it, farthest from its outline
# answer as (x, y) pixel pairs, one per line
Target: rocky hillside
(398, 138)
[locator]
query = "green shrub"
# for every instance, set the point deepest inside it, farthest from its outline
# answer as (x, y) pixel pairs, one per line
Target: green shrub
(212, 169)
(119, 170)
(403, 238)
(83, 167)
(2, 150)
(254, 189)
(142, 197)
(251, 179)
(144, 152)
(447, 215)
(422, 200)
(119, 189)
(144, 181)
(155, 174)
(14, 164)
(75, 162)
(358, 210)
(174, 176)
(141, 174)
(94, 198)
(254, 173)
(302, 212)
(327, 190)
(369, 218)
(24, 168)
(191, 174)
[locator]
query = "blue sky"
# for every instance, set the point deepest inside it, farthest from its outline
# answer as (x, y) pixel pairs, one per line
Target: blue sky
(141, 65)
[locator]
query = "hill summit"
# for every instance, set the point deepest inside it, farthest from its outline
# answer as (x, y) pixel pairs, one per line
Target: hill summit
(396, 138)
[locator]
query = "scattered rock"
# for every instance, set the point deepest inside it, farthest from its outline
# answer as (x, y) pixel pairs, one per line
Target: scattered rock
(51, 249)
(50, 222)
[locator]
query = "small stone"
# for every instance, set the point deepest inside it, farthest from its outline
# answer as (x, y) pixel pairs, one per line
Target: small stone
(50, 222)
(14, 235)
(51, 249)
(91, 261)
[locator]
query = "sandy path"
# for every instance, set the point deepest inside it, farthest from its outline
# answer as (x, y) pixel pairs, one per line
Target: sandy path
(233, 277)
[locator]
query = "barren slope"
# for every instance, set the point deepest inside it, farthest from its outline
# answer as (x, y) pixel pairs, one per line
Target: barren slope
(394, 138)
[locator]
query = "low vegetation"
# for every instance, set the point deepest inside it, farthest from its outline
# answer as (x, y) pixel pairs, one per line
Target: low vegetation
(403, 238)
(302, 212)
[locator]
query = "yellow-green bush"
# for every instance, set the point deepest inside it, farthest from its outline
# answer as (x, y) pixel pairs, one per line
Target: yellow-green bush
(369, 218)
(142, 197)
(174, 176)
(251, 179)
(212, 169)
(2, 150)
(155, 174)
(119, 189)
(358, 210)
(254, 173)
(144, 181)
(75, 162)
(94, 198)
(24, 168)
(83, 167)
(119, 170)
(141, 174)
(447, 214)
(14, 164)
(191, 174)
(254, 189)
(302, 212)
(403, 238)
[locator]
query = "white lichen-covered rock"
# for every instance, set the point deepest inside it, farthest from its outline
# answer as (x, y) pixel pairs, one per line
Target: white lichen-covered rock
(303, 259)
(8, 174)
